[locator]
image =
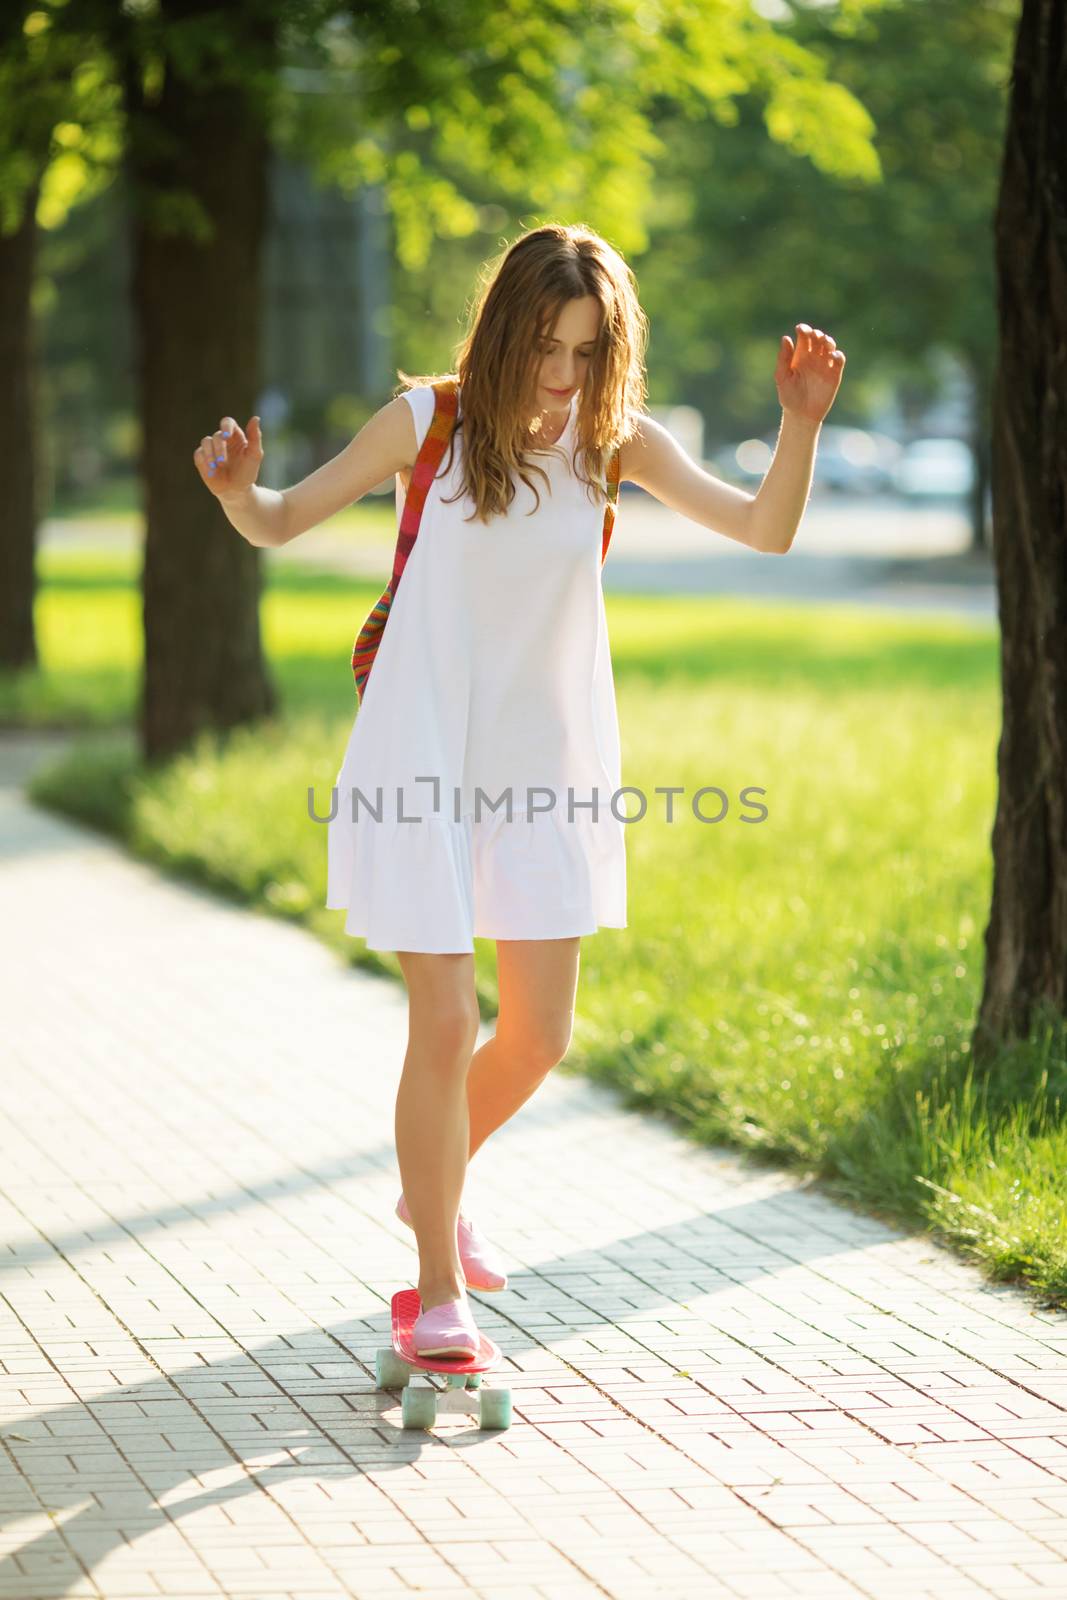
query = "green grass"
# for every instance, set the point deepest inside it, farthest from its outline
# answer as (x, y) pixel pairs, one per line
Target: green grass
(804, 986)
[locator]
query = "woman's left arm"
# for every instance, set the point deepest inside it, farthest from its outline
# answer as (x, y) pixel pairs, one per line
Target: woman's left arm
(807, 377)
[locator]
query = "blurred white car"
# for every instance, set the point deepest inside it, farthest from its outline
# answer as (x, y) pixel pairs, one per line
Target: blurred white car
(935, 468)
(848, 460)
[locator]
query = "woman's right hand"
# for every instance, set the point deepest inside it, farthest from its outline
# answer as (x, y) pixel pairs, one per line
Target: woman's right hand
(228, 461)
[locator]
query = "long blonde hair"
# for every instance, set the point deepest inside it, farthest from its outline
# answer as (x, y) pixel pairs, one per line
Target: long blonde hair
(516, 303)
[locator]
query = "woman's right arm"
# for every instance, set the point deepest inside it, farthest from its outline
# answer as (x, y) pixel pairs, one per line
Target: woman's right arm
(386, 444)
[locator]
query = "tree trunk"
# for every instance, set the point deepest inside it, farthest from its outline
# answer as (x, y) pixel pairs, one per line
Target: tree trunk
(1026, 938)
(18, 513)
(981, 454)
(197, 162)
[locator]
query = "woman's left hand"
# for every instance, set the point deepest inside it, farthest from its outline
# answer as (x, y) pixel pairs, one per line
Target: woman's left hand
(808, 374)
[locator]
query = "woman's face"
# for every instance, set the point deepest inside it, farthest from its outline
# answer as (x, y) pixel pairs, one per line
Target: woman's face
(565, 353)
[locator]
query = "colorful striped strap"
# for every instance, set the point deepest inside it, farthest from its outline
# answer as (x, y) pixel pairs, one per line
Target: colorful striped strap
(612, 503)
(446, 404)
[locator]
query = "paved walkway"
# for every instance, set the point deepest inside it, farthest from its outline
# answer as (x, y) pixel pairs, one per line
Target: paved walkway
(724, 1384)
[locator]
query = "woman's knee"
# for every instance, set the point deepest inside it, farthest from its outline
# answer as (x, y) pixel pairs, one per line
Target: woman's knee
(538, 1049)
(443, 1005)
(453, 1025)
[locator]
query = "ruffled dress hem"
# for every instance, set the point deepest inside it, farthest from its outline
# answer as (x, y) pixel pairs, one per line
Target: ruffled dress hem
(435, 885)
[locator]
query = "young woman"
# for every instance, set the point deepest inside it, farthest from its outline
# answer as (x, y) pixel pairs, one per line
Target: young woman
(485, 751)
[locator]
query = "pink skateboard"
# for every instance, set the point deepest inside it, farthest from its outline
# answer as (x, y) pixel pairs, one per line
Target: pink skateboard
(418, 1403)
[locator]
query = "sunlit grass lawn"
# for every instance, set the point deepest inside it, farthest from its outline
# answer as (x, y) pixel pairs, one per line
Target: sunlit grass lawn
(803, 986)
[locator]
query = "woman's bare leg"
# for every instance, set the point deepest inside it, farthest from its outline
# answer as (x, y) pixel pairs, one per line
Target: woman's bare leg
(538, 983)
(432, 1129)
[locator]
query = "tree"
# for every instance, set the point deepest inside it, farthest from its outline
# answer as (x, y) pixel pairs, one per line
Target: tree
(18, 642)
(197, 90)
(1026, 937)
(49, 90)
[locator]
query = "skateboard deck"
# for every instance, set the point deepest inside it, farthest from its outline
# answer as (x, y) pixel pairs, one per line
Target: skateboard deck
(395, 1366)
(406, 1309)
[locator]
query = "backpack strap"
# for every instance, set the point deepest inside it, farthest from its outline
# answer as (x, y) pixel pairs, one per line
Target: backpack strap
(446, 403)
(612, 503)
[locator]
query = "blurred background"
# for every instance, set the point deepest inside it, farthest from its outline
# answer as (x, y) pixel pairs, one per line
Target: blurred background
(741, 218)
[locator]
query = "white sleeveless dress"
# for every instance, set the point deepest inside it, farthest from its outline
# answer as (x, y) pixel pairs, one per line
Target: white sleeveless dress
(493, 673)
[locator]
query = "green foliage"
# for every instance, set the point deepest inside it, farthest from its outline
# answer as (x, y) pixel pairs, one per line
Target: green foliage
(749, 235)
(546, 106)
(60, 122)
(836, 165)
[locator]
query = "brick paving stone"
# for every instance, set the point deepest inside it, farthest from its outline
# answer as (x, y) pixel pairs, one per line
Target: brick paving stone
(724, 1384)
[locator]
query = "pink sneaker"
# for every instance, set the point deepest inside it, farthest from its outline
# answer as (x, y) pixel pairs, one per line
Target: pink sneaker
(446, 1330)
(482, 1270)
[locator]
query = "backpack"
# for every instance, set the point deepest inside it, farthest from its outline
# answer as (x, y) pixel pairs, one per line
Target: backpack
(446, 406)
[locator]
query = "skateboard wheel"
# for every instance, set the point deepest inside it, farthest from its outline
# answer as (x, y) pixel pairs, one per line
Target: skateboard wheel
(418, 1407)
(474, 1380)
(457, 1380)
(390, 1371)
(494, 1408)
